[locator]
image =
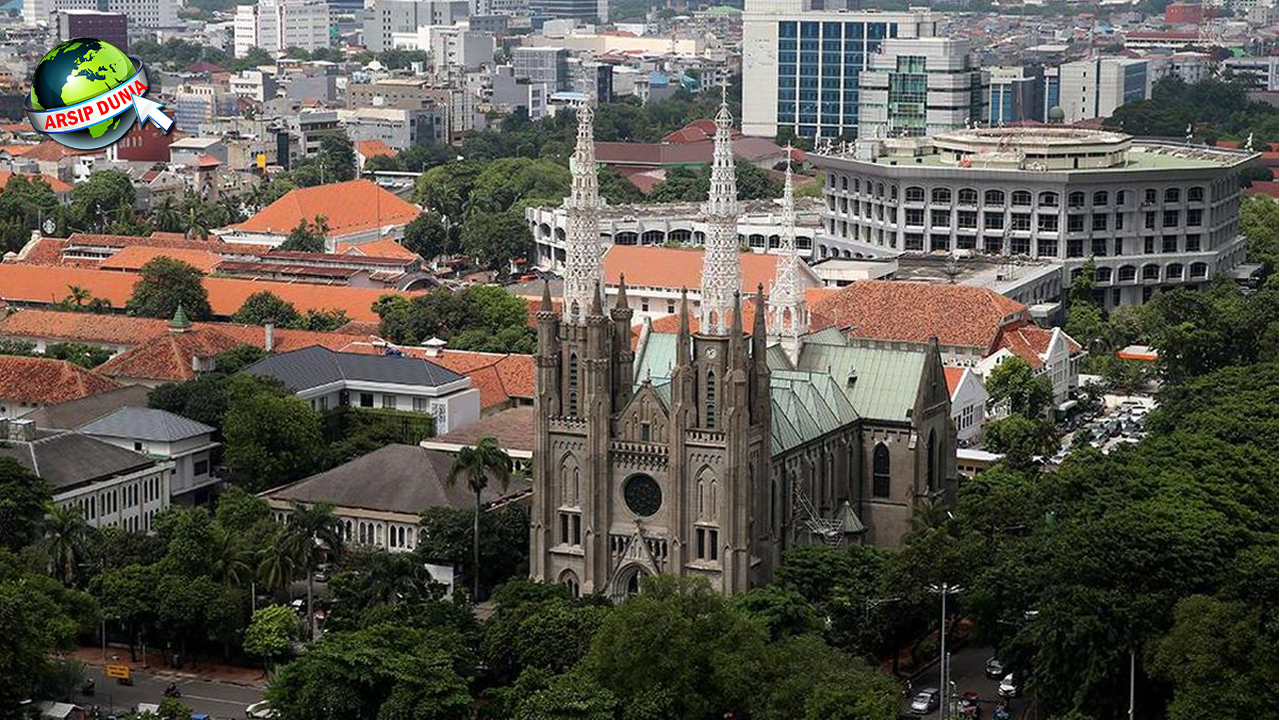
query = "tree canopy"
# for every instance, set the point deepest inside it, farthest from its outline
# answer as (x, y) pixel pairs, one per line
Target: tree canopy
(164, 285)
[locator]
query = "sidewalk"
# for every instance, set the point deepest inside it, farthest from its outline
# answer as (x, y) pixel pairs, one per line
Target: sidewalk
(192, 668)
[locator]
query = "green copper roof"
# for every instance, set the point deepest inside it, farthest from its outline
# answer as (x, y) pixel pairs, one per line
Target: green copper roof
(658, 359)
(880, 383)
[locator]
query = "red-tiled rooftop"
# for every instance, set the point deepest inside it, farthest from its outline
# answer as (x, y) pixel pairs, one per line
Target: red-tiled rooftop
(134, 257)
(45, 381)
(348, 207)
(958, 315)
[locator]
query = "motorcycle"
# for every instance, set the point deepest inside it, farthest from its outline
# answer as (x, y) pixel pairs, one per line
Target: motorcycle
(172, 691)
(87, 688)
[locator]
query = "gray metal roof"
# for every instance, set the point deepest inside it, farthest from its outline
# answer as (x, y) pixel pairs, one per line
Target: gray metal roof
(68, 459)
(315, 366)
(74, 413)
(395, 478)
(145, 424)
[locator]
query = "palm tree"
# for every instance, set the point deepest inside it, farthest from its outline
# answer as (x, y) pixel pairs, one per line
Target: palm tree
(930, 514)
(311, 532)
(230, 560)
(64, 542)
(78, 296)
(277, 565)
(196, 225)
(477, 464)
(166, 216)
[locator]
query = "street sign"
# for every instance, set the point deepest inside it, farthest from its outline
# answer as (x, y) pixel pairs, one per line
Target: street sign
(118, 670)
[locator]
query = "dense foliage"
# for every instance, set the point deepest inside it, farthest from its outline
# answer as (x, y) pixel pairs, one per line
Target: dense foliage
(480, 317)
(164, 285)
(1214, 109)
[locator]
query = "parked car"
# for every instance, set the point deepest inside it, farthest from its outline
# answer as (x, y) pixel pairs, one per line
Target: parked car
(261, 710)
(926, 701)
(1008, 688)
(994, 668)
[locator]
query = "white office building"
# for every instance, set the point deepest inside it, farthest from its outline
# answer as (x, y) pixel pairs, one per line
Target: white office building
(276, 25)
(384, 19)
(921, 86)
(1094, 88)
(147, 14)
(805, 63)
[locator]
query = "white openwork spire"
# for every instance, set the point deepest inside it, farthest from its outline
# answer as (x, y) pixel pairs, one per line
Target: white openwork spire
(788, 316)
(721, 267)
(582, 270)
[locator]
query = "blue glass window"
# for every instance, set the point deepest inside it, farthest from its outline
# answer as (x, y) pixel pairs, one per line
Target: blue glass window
(809, 30)
(786, 29)
(853, 31)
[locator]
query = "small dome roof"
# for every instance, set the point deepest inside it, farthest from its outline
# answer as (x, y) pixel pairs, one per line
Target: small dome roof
(1056, 113)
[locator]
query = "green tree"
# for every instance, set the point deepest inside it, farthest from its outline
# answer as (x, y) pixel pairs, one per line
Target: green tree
(318, 320)
(164, 285)
(105, 194)
(308, 236)
(1260, 224)
(265, 306)
(616, 189)
(313, 532)
(229, 362)
(128, 594)
(383, 671)
(569, 697)
(26, 202)
(1027, 393)
(271, 439)
(84, 355)
(23, 499)
(496, 239)
(783, 611)
(449, 537)
(1020, 438)
(476, 466)
(271, 632)
(430, 236)
(1218, 658)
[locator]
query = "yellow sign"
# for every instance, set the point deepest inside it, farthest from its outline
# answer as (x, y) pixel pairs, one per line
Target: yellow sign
(118, 670)
(262, 161)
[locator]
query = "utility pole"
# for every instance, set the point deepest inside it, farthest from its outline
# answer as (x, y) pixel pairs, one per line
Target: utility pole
(1133, 661)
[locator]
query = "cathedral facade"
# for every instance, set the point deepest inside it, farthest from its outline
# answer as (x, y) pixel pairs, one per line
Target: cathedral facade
(710, 451)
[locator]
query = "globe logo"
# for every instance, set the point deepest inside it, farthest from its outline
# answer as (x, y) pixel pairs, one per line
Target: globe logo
(86, 94)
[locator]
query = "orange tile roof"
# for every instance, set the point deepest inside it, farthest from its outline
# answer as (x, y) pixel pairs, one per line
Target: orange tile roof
(171, 241)
(958, 315)
(44, 381)
(167, 357)
(134, 257)
(20, 282)
(953, 375)
(384, 247)
(17, 150)
(348, 207)
(45, 251)
(674, 268)
(81, 327)
(374, 148)
(54, 183)
(284, 339)
(1030, 341)
(52, 150)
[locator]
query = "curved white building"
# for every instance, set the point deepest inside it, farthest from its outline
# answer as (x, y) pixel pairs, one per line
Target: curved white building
(1150, 215)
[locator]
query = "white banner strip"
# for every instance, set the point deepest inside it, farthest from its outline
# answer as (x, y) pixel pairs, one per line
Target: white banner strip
(92, 111)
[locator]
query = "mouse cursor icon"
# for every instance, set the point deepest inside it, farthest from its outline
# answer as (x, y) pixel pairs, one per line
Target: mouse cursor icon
(150, 110)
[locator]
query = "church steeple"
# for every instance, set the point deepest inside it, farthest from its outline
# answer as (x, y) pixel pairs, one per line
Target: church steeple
(721, 267)
(788, 316)
(582, 268)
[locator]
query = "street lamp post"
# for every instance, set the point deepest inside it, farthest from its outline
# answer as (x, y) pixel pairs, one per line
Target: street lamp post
(944, 589)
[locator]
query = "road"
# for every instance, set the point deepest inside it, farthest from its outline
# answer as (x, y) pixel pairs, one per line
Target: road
(968, 673)
(219, 700)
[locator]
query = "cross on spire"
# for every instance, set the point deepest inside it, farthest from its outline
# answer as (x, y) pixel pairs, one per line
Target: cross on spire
(721, 266)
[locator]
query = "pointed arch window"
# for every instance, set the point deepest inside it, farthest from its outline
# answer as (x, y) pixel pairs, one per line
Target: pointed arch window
(880, 471)
(711, 399)
(931, 470)
(573, 384)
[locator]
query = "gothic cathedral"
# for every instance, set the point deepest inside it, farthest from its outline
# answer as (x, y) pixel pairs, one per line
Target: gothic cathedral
(733, 446)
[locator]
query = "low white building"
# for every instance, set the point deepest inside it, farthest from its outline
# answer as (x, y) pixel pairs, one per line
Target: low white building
(161, 434)
(968, 403)
(1049, 352)
(111, 486)
(328, 379)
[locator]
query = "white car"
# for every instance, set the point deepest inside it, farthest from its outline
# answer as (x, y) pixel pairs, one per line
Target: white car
(1008, 688)
(260, 710)
(925, 702)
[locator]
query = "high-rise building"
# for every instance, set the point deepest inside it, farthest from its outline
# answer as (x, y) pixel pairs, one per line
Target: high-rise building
(1148, 215)
(112, 27)
(805, 58)
(590, 11)
(1094, 88)
(385, 18)
(276, 25)
(1258, 73)
(148, 14)
(548, 65)
(920, 86)
(1014, 94)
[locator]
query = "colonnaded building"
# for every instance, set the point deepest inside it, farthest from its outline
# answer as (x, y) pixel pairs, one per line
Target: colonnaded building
(1151, 215)
(708, 452)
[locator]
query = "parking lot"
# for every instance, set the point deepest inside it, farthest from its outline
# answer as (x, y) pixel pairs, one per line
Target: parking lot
(968, 667)
(1123, 420)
